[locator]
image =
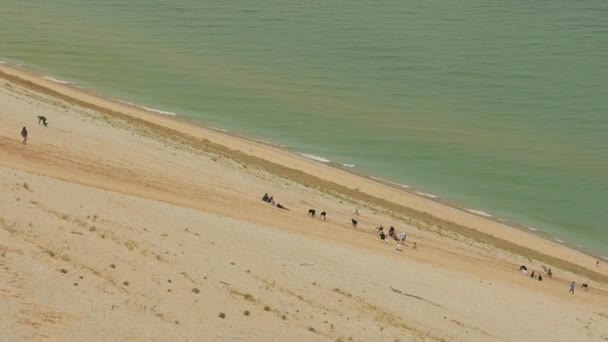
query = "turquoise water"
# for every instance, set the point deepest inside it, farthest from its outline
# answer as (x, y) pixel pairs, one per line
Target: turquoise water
(501, 106)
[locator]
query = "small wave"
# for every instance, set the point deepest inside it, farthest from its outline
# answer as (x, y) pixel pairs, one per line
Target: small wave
(52, 79)
(479, 212)
(158, 111)
(558, 240)
(532, 228)
(317, 158)
(147, 108)
(605, 258)
(389, 182)
(348, 165)
(219, 129)
(426, 195)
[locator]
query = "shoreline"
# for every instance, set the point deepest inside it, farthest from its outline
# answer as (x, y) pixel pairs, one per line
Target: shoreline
(350, 168)
(69, 90)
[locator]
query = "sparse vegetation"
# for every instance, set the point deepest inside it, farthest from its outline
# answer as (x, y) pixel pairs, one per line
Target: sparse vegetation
(112, 266)
(283, 317)
(63, 270)
(26, 187)
(311, 329)
(125, 283)
(92, 229)
(222, 315)
(246, 313)
(267, 308)
(196, 290)
(75, 284)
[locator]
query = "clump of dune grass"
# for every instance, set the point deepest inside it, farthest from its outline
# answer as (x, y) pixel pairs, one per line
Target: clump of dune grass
(222, 315)
(125, 283)
(196, 290)
(63, 270)
(246, 313)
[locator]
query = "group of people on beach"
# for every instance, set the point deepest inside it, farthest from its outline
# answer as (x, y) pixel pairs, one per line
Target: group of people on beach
(270, 200)
(400, 238)
(538, 276)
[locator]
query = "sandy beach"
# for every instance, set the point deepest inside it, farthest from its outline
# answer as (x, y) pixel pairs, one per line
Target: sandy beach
(117, 223)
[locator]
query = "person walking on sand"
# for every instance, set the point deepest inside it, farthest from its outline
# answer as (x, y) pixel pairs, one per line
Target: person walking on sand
(572, 288)
(24, 135)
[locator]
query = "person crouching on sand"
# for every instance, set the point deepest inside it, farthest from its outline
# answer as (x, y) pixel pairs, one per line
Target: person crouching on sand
(24, 135)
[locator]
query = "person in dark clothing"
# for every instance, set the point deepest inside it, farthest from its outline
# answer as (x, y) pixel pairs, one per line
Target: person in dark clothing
(43, 120)
(391, 232)
(265, 197)
(24, 135)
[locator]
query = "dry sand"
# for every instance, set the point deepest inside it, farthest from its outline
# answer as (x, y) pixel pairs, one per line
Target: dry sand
(114, 229)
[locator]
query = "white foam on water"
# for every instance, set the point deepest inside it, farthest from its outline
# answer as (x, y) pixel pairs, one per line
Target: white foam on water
(348, 165)
(426, 195)
(532, 228)
(147, 108)
(317, 158)
(393, 183)
(605, 258)
(220, 129)
(158, 111)
(52, 79)
(479, 212)
(558, 240)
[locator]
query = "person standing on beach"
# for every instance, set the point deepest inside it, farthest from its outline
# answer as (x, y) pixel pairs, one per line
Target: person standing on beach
(572, 287)
(24, 135)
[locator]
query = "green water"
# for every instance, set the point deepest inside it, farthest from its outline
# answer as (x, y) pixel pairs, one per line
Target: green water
(501, 106)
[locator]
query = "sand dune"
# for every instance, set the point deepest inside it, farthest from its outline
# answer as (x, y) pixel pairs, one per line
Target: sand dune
(110, 230)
